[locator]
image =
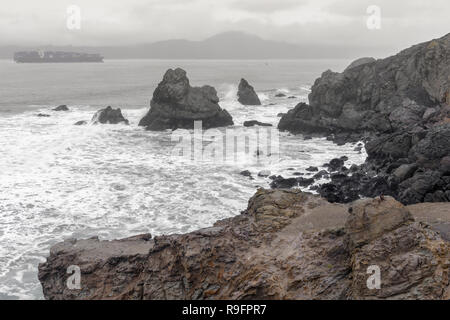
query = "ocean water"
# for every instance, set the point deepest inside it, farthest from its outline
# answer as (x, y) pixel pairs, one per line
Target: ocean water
(61, 181)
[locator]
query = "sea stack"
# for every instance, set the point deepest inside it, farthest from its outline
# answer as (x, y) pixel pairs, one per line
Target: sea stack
(109, 115)
(176, 104)
(247, 95)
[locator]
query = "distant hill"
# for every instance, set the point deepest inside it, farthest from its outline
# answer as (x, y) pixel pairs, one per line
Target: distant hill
(229, 45)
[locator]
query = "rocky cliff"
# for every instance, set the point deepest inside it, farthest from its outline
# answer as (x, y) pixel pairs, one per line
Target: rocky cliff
(286, 245)
(400, 107)
(176, 104)
(379, 96)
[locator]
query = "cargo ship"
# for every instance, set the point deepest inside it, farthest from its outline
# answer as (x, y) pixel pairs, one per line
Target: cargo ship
(55, 56)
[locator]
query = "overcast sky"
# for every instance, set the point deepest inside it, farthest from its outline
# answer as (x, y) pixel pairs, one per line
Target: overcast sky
(106, 22)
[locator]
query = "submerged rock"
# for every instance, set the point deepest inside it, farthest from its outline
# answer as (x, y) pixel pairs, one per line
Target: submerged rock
(80, 123)
(176, 104)
(42, 115)
(110, 116)
(286, 245)
(247, 95)
(252, 123)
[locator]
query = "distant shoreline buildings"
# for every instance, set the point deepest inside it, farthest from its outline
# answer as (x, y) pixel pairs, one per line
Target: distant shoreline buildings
(39, 56)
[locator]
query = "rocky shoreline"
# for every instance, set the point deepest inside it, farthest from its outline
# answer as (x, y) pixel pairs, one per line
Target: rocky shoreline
(286, 245)
(399, 106)
(294, 245)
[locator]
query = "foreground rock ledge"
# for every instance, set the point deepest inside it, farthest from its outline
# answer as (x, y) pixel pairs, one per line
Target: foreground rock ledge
(286, 245)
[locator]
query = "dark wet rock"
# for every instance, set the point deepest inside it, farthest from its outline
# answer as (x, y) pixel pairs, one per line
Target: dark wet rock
(246, 173)
(80, 123)
(444, 165)
(247, 95)
(405, 171)
(281, 114)
(176, 104)
(283, 234)
(304, 182)
(298, 174)
(292, 97)
(109, 116)
(62, 107)
(335, 164)
(42, 115)
(312, 169)
(252, 123)
(281, 183)
(280, 95)
(321, 174)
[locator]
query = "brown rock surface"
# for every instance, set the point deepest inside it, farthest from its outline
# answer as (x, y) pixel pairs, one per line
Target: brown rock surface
(286, 245)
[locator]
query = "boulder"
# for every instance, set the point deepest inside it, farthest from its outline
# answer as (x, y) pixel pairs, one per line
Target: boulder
(175, 104)
(80, 123)
(62, 107)
(109, 116)
(247, 95)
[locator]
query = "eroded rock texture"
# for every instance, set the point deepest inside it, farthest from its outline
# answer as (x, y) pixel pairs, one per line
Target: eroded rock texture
(286, 245)
(400, 106)
(176, 104)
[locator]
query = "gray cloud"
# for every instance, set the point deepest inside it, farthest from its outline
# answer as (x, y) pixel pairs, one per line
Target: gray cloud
(404, 22)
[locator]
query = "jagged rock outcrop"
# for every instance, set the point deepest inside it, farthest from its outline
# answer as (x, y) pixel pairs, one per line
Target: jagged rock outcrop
(286, 245)
(176, 104)
(247, 95)
(400, 107)
(109, 115)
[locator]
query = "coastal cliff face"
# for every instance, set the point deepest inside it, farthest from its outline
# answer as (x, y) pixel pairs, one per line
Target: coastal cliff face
(176, 104)
(286, 245)
(379, 96)
(401, 107)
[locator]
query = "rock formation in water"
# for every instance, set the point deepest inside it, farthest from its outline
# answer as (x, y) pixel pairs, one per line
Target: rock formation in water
(62, 107)
(286, 245)
(109, 115)
(252, 123)
(400, 106)
(176, 104)
(247, 95)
